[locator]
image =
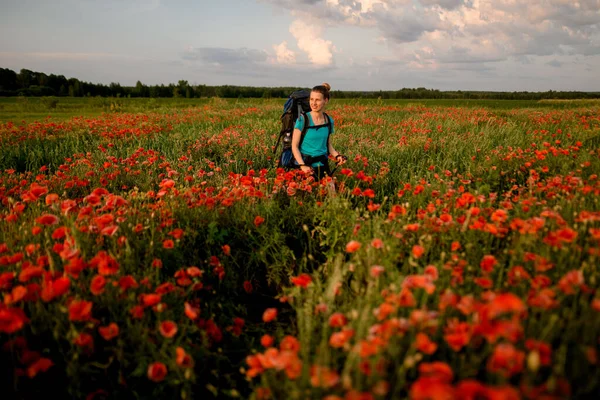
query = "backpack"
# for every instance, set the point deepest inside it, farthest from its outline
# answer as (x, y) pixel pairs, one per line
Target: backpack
(296, 106)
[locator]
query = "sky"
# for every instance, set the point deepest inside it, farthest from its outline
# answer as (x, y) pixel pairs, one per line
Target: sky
(499, 45)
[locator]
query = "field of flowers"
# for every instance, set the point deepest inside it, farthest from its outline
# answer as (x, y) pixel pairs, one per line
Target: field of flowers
(162, 254)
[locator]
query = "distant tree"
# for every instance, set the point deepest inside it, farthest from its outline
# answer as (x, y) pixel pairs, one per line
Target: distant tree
(25, 78)
(8, 79)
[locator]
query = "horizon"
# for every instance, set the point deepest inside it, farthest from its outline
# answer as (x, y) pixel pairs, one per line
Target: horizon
(359, 45)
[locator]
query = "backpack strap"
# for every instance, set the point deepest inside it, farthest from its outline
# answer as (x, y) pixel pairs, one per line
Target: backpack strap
(304, 129)
(328, 130)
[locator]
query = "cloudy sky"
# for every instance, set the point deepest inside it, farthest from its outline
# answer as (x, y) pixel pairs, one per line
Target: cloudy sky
(532, 45)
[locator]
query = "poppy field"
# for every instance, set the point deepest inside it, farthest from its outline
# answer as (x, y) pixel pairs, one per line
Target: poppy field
(161, 253)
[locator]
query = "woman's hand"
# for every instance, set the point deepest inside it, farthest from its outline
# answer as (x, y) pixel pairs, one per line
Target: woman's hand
(306, 169)
(340, 159)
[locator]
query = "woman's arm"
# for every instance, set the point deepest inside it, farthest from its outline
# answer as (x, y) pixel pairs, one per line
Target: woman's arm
(339, 159)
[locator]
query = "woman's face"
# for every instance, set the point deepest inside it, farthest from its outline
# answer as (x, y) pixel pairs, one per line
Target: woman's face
(317, 101)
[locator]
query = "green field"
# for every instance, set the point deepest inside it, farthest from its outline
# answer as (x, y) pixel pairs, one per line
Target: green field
(150, 248)
(30, 109)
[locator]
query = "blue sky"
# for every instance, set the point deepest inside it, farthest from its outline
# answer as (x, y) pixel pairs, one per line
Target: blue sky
(352, 44)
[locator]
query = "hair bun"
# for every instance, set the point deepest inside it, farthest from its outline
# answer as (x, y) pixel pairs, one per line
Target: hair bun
(327, 86)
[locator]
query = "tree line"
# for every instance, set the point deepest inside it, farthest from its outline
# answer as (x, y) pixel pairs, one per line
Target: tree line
(31, 83)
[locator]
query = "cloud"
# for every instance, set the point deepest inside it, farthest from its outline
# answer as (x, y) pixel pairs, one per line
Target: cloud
(554, 63)
(223, 56)
(283, 55)
(457, 31)
(318, 50)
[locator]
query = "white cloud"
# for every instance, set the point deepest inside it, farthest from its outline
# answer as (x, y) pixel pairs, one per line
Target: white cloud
(457, 31)
(283, 55)
(318, 50)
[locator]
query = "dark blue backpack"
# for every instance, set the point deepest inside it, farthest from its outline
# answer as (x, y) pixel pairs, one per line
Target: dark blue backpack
(298, 104)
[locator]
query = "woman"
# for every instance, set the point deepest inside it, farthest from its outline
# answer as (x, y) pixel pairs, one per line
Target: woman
(311, 152)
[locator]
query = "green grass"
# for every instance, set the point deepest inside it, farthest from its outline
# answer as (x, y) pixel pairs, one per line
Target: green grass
(30, 109)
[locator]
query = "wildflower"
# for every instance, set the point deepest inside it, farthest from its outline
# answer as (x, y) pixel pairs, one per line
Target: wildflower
(42, 364)
(157, 371)
(85, 341)
(226, 249)
(376, 270)
(337, 320)
(487, 263)
(424, 344)
(182, 358)
(258, 220)
(269, 315)
(190, 311)
(506, 360)
(47, 219)
(417, 251)
(302, 280)
(109, 332)
(352, 246)
(168, 329)
(97, 285)
(377, 243)
(80, 310)
(267, 340)
(289, 343)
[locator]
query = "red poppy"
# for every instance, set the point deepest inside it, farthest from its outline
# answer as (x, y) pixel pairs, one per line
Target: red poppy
(105, 264)
(42, 364)
(302, 280)
(506, 360)
(258, 220)
(352, 246)
(151, 299)
(109, 332)
(168, 329)
(269, 315)
(267, 340)
(157, 371)
(182, 358)
(337, 320)
(418, 251)
(424, 344)
(47, 219)
(80, 310)
(97, 285)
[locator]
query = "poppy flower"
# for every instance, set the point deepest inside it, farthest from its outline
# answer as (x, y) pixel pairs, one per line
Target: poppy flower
(47, 219)
(97, 285)
(157, 371)
(258, 220)
(80, 310)
(109, 332)
(418, 251)
(376, 270)
(182, 358)
(269, 315)
(190, 311)
(42, 364)
(302, 280)
(352, 246)
(267, 340)
(168, 329)
(424, 344)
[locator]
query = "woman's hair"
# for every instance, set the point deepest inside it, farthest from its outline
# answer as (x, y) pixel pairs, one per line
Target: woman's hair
(324, 89)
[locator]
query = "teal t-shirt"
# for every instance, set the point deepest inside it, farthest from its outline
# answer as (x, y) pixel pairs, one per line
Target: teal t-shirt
(315, 140)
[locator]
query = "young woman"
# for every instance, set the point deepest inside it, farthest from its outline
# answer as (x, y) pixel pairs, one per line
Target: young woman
(311, 155)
